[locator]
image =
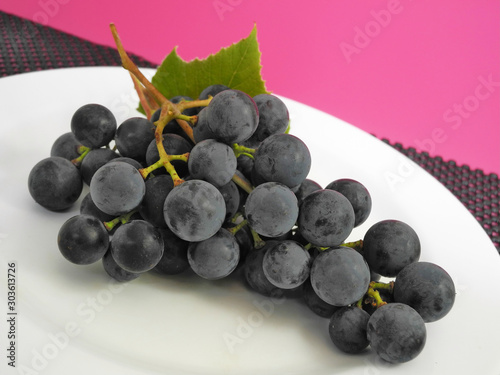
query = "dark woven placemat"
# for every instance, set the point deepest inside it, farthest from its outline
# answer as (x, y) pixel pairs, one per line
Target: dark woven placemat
(26, 46)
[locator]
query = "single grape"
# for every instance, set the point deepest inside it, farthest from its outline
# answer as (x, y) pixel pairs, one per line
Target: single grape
(244, 239)
(212, 90)
(254, 272)
(194, 210)
(427, 288)
(55, 183)
(271, 209)
(357, 194)
(273, 116)
(396, 332)
(88, 207)
(215, 257)
(133, 137)
(115, 271)
(315, 303)
(134, 163)
(201, 131)
(93, 125)
(287, 264)
(305, 188)
(66, 146)
(82, 239)
(231, 196)
(326, 218)
(232, 116)
(340, 276)
(283, 158)
(389, 246)
(212, 161)
(117, 188)
(347, 329)
(94, 160)
(151, 207)
(137, 246)
(174, 259)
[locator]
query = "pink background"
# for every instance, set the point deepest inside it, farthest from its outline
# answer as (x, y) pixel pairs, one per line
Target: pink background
(422, 73)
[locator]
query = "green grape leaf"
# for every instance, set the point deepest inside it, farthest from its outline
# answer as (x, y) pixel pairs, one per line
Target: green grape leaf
(237, 66)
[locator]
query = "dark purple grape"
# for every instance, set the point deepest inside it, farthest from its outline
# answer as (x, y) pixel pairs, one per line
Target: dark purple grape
(55, 183)
(212, 90)
(93, 125)
(389, 246)
(88, 207)
(283, 158)
(316, 304)
(215, 257)
(137, 246)
(201, 131)
(357, 194)
(117, 188)
(232, 116)
(134, 163)
(66, 146)
(287, 264)
(396, 332)
(212, 161)
(271, 209)
(347, 329)
(194, 210)
(427, 288)
(273, 116)
(151, 207)
(326, 218)
(340, 276)
(231, 196)
(94, 160)
(305, 188)
(133, 137)
(254, 272)
(174, 259)
(83, 239)
(115, 271)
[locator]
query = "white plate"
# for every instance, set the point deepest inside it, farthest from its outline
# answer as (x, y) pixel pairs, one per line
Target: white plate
(73, 320)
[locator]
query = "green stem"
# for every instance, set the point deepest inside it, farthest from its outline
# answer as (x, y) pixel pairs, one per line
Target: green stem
(356, 245)
(242, 182)
(236, 228)
(382, 286)
(185, 104)
(123, 219)
(235, 217)
(242, 150)
(376, 297)
(257, 241)
(190, 119)
(360, 303)
(83, 151)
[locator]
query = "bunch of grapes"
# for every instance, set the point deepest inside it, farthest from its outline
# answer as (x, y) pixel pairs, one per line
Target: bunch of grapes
(229, 193)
